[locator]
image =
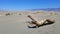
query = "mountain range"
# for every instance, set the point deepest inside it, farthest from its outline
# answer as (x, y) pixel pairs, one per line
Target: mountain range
(47, 9)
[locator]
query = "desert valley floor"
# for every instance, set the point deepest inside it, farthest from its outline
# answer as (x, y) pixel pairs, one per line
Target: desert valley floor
(16, 23)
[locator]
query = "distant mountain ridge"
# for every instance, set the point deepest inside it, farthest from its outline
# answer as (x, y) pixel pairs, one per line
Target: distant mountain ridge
(48, 9)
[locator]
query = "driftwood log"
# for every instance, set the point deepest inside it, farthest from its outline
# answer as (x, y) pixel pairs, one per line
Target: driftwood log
(39, 23)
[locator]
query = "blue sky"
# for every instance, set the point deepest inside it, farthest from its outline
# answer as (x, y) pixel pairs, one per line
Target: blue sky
(28, 4)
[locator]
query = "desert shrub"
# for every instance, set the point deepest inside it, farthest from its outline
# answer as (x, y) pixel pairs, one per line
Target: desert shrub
(55, 13)
(51, 13)
(7, 14)
(36, 13)
(19, 13)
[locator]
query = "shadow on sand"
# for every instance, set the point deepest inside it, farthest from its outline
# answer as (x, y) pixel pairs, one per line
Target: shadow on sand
(42, 25)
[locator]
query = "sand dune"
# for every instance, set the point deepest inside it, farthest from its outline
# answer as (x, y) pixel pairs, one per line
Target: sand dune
(15, 23)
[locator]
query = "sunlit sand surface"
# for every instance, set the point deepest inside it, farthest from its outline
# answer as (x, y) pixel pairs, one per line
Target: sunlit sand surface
(15, 23)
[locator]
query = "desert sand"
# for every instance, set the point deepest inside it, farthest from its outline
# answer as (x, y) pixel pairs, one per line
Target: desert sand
(16, 22)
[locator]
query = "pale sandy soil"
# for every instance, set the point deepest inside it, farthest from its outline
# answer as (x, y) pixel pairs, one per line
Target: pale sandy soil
(16, 23)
